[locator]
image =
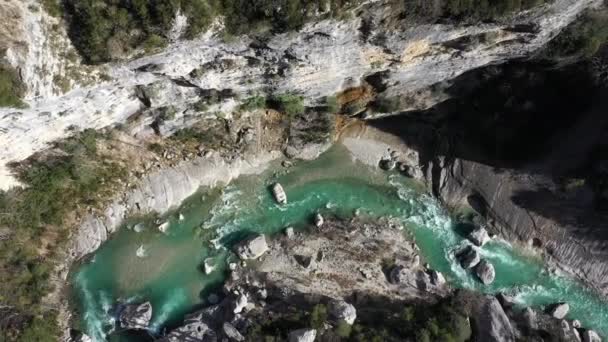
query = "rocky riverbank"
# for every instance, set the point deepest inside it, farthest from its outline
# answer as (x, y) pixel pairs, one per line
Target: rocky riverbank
(336, 281)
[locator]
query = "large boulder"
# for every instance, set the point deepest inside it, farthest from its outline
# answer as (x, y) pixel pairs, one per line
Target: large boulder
(191, 331)
(468, 257)
(591, 336)
(136, 316)
(240, 303)
(400, 275)
(279, 193)
(252, 248)
(493, 325)
(479, 236)
(342, 311)
(485, 272)
(303, 335)
(319, 220)
(437, 278)
(232, 333)
(559, 310)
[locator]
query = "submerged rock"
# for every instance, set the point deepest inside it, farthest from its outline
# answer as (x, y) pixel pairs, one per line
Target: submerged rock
(559, 310)
(485, 272)
(213, 299)
(342, 311)
(468, 257)
(141, 252)
(136, 316)
(164, 227)
(208, 265)
(252, 248)
(479, 236)
(279, 193)
(138, 228)
(303, 335)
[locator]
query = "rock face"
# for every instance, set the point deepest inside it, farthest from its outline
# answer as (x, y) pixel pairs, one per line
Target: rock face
(252, 248)
(559, 310)
(416, 58)
(574, 252)
(303, 335)
(479, 236)
(342, 311)
(485, 272)
(136, 316)
(279, 194)
(530, 318)
(493, 325)
(468, 257)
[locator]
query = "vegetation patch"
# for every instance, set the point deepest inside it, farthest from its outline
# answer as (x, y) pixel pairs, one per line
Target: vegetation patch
(70, 178)
(464, 10)
(104, 30)
(11, 87)
(583, 38)
(290, 104)
(441, 322)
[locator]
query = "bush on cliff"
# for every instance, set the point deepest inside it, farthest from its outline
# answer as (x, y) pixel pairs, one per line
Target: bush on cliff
(583, 38)
(11, 88)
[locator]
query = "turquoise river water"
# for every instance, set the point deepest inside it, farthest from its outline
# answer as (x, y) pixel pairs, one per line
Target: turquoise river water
(165, 269)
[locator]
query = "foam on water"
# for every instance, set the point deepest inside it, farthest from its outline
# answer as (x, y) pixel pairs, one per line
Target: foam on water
(174, 300)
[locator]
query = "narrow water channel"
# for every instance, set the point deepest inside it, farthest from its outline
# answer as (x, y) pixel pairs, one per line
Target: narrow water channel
(141, 263)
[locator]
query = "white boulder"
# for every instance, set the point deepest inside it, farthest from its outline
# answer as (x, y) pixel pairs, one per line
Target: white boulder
(252, 248)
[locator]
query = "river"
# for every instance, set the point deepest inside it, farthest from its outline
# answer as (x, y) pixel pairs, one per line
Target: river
(141, 263)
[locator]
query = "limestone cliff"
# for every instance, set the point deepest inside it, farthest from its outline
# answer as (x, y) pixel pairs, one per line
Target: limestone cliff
(320, 60)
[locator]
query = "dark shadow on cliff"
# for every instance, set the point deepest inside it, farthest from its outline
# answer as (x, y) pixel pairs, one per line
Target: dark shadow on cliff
(543, 125)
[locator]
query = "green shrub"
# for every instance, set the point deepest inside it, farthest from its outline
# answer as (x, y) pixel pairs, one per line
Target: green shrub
(289, 104)
(41, 330)
(331, 104)
(318, 316)
(11, 88)
(55, 186)
(52, 7)
(253, 103)
(154, 42)
(582, 38)
(388, 104)
(423, 335)
(343, 329)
